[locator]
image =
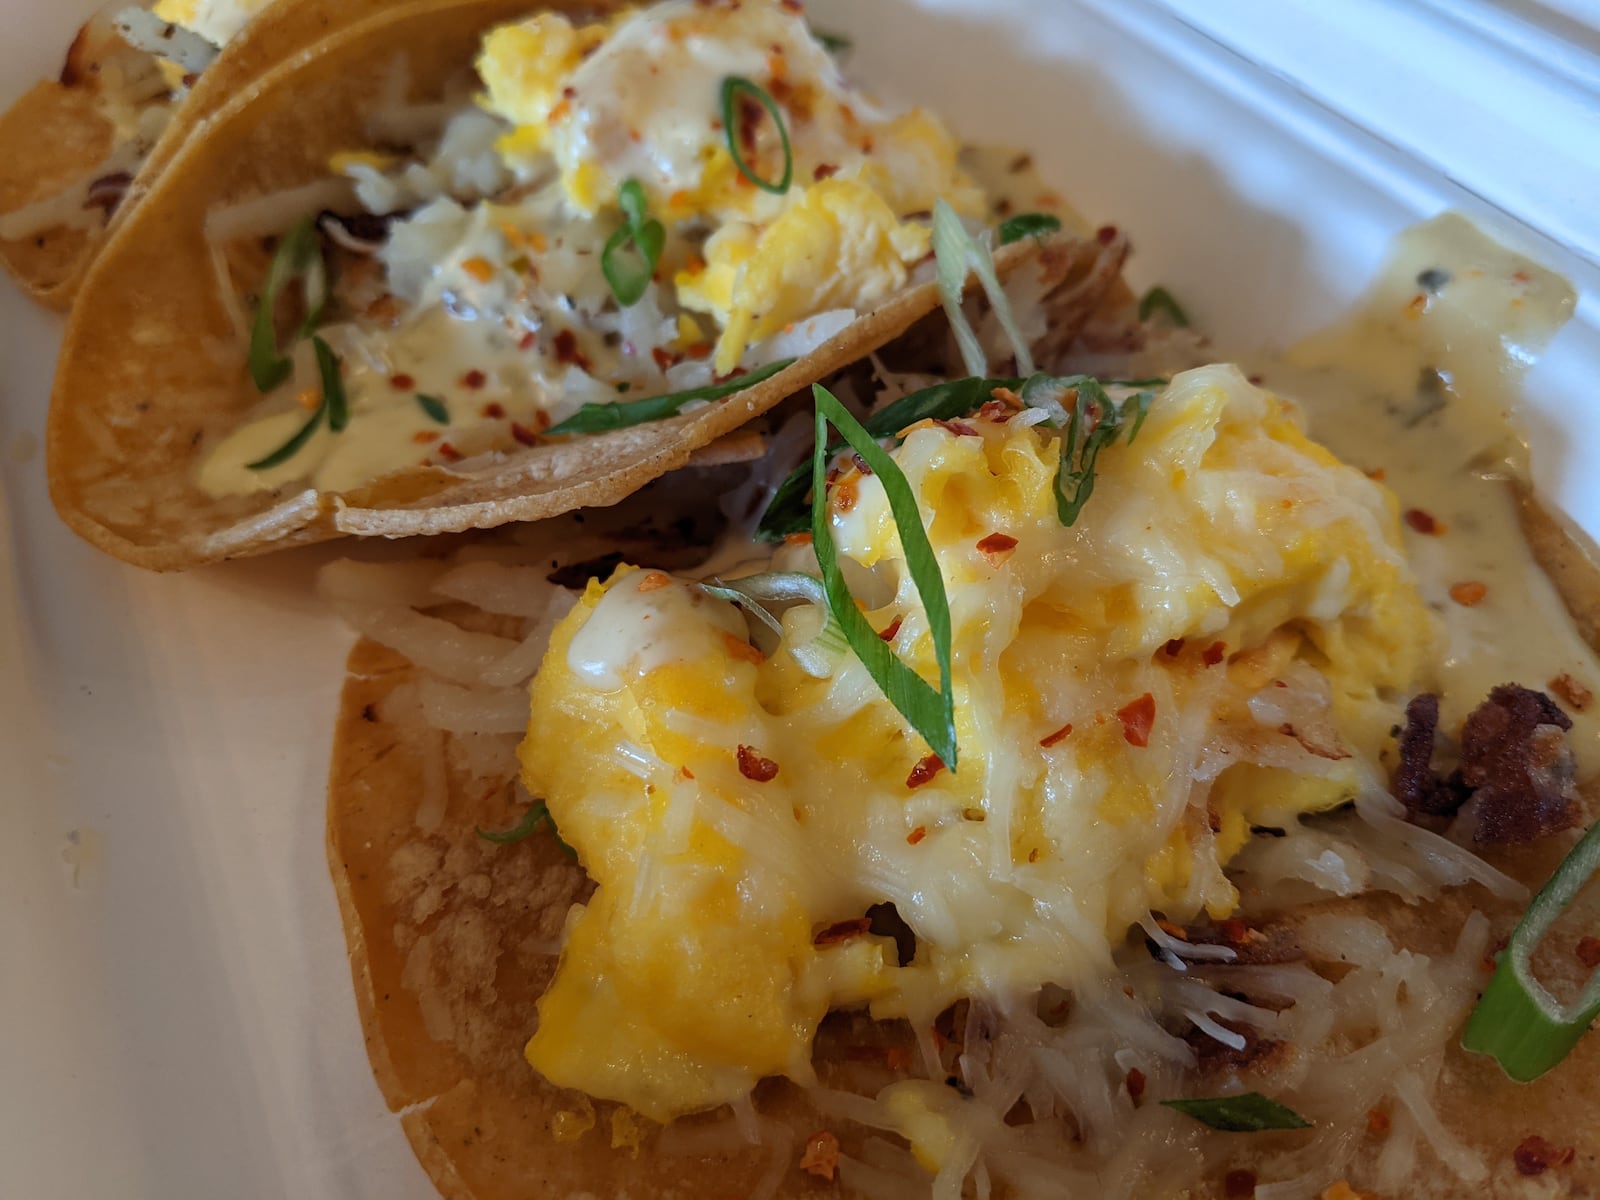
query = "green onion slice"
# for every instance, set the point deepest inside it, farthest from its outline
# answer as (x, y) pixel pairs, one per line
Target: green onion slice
(632, 252)
(333, 397)
(269, 366)
(1518, 1022)
(789, 510)
(1093, 423)
(957, 253)
(1033, 224)
(1158, 299)
(434, 407)
(294, 445)
(732, 87)
(763, 596)
(1248, 1113)
(931, 713)
(536, 815)
(597, 418)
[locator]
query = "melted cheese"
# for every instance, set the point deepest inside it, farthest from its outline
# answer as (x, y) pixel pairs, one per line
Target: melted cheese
(729, 809)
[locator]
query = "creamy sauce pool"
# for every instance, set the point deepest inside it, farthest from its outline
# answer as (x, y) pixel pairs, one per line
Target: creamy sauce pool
(1418, 387)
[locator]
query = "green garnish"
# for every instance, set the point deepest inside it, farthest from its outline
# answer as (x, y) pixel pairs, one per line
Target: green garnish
(294, 445)
(931, 713)
(1249, 1113)
(732, 129)
(833, 43)
(957, 254)
(1518, 1022)
(1093, 423)
(789, 510)
(333, 397)
(537, 814)
(1033, 224)
(632, 252)
(1158, 299)
(295, 256)
(434, 407)
(597, 418)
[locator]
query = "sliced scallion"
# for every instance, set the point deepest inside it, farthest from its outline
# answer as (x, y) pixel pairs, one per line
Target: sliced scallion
(957, 254)
(435, 408)
(1248, 1113)
(789, 510)
(597, 418)
(1093, 423)
(1159, 300)
(296, 252)
(931, 713)
(537, 814)
(333, 397)
(294, 445)
(732, 127)
(1033, 224)
(1518, 1022)
(632, 252)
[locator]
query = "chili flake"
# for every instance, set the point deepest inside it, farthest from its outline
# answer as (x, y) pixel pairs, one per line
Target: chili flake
(1173, 648)
(739, 648)
(523, 434)
(1106, 234)
(566, 346)
(1239, 1184)
(1574, 693)
(916, 835)
(1588, 951)
(1060, 735)
(402, 382)
(754, 766)
(479, 268)
(924, 771)
(474, 379)
(797, 539)
(449, 453)
(1377, 1122)
(892, 630)
(1535, 1156)
(1137, 720)
(494, 410)
(1214, 654)
(1424, 522)
(821, 1156)
(654, 581)
(424, 436)
(997, 547)
(1136, 1083)
(1469, 593)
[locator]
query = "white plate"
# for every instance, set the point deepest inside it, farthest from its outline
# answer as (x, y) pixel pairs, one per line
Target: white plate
(179, 1020)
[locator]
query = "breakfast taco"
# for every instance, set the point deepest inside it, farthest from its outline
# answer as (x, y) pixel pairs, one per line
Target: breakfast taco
(386, 294)
(1071, 785)
(77, 151)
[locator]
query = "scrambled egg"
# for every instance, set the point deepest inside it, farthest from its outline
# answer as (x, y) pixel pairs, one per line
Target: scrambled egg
(1217, 642)
(640, 98)
(215, 20)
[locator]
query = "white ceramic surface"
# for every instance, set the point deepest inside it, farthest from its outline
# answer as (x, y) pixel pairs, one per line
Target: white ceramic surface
(176, 1012)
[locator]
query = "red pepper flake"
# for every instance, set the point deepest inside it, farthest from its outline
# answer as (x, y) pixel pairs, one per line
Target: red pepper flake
(523, 434)
(1214, 654)
(699, 350)
(686, 773)
(893, 629)
(1234, 931)
(1173, 648)
(997, 547)
(1137, 720)
(1172, 929)
(1468, 593)
(566, 345)
(1588, 951)
(1106, 234)
(1424, 522)
(1239, 1184)
(402, 382)
(959, 428)
(1573, 692)
(916, 835)
(1377, 474)
(797, 539)
(1060, 735)
(739, 648)
(1417, 305)
(924, 771)
(474, 379)
(897, 1058)
(842, 931)
(654, 581)
(824, 171)
(665, 358)
(424, 436)
(529, 340)
(753, 766)
(1535, 1156)
(1136, 1082)
(1377, 1122)
(494, 411)
(997, 411)
(449, 453)
(821, 1155)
